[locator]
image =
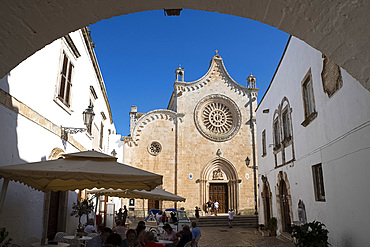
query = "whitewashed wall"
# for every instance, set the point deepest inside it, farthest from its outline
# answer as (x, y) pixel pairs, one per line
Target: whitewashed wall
(339, 138)
(34, 83)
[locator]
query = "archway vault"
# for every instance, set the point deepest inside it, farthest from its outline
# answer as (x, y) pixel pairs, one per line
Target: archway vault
(339, 29)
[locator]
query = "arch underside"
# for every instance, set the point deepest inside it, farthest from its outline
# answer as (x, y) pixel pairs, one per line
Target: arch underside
(339, 30)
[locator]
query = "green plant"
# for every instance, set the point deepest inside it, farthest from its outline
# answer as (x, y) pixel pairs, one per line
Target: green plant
(82, 208)
(272, 224)
(3, 235)
(311, 234)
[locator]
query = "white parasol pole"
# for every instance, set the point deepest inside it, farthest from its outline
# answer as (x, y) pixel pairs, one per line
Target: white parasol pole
(4, 188)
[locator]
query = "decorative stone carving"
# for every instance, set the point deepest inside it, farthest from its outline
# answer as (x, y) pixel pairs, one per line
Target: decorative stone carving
(154, 148)
(217, 117)
(331, 77)
(217, 174)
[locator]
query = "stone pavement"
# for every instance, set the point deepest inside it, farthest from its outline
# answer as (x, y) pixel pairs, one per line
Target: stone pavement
(232, 237)
(238, 237)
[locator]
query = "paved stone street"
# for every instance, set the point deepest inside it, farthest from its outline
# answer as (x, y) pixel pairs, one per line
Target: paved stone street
(237, 236)
(232, 237)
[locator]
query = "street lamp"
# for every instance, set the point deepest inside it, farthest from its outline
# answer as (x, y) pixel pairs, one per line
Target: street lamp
(254, 167)
(88, 116)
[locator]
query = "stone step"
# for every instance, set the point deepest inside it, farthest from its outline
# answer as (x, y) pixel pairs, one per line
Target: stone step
(248, 221)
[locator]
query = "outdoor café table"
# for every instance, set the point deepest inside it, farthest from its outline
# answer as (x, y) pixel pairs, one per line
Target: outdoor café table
(50, 245)
(164, 242)
(80, 240)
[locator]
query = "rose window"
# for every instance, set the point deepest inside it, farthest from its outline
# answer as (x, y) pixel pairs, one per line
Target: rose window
(155, 148)
(217, 117)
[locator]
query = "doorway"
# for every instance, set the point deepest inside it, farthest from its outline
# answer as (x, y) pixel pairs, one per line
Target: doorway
(285, 210)
(218, 192)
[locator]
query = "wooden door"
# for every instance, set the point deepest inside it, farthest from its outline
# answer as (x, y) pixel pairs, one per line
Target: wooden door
(267, 204)
(153, 204)
(285, 207)
(218, 192)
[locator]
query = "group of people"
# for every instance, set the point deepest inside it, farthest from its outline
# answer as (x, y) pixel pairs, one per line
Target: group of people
(162, 217)
(212, 207)
(119, 237)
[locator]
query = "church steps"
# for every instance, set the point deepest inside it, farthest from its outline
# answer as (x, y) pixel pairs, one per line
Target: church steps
(247, 221)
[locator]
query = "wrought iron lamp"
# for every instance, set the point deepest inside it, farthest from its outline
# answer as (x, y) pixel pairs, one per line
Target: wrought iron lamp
(88, 117)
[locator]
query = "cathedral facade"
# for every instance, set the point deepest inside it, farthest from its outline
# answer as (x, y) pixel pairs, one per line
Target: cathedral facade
(200, 142)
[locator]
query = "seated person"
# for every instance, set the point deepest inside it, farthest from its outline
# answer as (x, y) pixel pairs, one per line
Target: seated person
(158, 216)
(185, 236)
(120, 229)
(90, 228)
(169, 234)
(100, 240)
(114, 240)
(149, 240)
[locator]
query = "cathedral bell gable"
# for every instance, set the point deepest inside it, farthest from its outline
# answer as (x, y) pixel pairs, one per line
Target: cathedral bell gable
(216, 73)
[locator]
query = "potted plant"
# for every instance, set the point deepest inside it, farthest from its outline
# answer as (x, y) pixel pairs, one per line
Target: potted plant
(311, 234)
(272, 226)
(3, 237)
(79, 209)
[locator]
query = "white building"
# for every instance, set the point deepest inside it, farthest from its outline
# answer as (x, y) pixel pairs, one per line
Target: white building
(48, 90)
(313, 147)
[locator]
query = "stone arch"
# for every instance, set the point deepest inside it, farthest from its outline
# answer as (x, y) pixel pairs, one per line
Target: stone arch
(338, 29)
(283, 178)
(229, 177)
(56, 153)
(266, 196)
(153, 116)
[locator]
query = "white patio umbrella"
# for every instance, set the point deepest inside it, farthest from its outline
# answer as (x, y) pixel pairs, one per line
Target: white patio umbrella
(82, 170)
(156, 194)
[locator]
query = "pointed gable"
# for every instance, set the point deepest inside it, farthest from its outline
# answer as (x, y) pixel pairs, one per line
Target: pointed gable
(216, 73)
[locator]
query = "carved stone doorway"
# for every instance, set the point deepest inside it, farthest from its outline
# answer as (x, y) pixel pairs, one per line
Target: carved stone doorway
(218, 192)
(220, 182)
(266, 199)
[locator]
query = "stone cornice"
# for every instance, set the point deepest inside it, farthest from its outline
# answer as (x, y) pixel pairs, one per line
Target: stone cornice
(150, 117)
(216, 68)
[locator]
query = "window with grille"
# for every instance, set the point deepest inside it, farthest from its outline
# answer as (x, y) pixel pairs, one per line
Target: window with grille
(318, 182)
(65, 84)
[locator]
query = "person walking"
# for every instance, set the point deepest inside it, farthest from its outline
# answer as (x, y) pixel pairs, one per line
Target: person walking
(120, 215)
(197, 214)
(124, 216)
(195, 232)
(231, 217)
(209, 207)
(215, 204)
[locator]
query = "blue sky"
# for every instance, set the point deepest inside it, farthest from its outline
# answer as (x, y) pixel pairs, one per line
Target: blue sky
(138, 54)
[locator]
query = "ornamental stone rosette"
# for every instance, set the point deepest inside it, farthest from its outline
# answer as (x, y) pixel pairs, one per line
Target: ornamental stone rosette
(217, 117)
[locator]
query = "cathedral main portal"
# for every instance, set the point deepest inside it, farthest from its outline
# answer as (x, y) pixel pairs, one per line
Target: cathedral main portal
(218, 192)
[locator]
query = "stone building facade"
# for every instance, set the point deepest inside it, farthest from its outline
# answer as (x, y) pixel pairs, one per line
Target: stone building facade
(200, 142)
